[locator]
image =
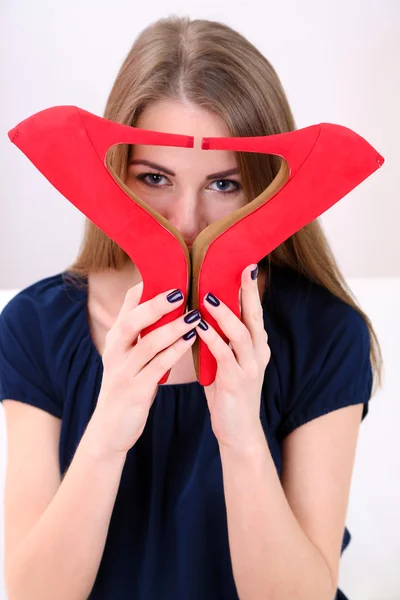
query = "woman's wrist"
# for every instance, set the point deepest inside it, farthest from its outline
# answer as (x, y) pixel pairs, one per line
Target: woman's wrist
(96, 444)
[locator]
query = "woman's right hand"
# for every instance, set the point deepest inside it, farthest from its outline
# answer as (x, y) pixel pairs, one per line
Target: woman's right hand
(132, 368)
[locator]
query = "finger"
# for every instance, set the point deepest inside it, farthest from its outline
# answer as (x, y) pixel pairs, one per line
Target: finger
(134, 317)
(236, 332)
(164, 361)
(157, 341)
(252, 311)
(222, 352)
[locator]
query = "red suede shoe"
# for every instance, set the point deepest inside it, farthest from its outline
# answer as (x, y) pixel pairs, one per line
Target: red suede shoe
(322, 163)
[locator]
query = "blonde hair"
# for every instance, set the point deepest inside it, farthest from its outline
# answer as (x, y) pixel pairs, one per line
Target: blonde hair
(210, 65)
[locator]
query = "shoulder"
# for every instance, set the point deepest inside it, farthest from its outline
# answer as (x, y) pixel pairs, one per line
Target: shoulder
(45, 319)
(308, 310)
(311, 331)
(41, 303)
(320, 348)
(34, 329)
(44, 338)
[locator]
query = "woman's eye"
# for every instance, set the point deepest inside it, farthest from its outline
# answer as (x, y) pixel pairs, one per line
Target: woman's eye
(154, 178)
(223, 188)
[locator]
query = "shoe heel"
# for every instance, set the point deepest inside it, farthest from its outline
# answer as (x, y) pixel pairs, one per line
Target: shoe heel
(322, 163)
(62, 135)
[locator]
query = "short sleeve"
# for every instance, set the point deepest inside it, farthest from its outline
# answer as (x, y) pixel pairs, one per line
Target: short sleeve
(24, 374)
(334, 368)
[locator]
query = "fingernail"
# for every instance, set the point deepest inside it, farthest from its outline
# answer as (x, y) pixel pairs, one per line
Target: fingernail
(192, 316)
(254, 273)
(175, 296)
(188, 336)
(211, 299)
(203, 325)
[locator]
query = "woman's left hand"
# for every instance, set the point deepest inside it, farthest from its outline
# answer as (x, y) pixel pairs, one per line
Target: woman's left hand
(234, 397)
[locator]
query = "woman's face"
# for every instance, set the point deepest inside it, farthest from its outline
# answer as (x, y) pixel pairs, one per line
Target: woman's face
(190, 187)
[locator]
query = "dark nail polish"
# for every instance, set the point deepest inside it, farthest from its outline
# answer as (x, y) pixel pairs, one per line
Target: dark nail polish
(212, 299)
(175, 296)
(203, 325)
(192, 316)
(254, 273)
(189, 335)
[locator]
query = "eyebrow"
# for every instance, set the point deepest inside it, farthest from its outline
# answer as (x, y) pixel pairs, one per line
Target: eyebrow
(219, 175)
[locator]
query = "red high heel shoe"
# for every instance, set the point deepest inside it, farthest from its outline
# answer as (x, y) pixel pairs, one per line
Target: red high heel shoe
(322, 163)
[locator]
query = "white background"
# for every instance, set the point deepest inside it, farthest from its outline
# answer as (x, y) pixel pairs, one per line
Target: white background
(338, 62)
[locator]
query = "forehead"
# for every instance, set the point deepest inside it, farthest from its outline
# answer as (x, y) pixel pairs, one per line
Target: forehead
(171, 116)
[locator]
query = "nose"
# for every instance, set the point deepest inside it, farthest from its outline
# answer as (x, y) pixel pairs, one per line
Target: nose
(185, 214)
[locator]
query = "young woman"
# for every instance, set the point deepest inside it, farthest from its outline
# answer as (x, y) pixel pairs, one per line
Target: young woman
(120, 488)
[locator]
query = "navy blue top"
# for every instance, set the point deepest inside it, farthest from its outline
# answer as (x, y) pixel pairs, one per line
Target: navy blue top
(168, 534)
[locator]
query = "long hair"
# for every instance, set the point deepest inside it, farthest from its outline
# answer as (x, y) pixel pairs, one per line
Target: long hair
(210, 65)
